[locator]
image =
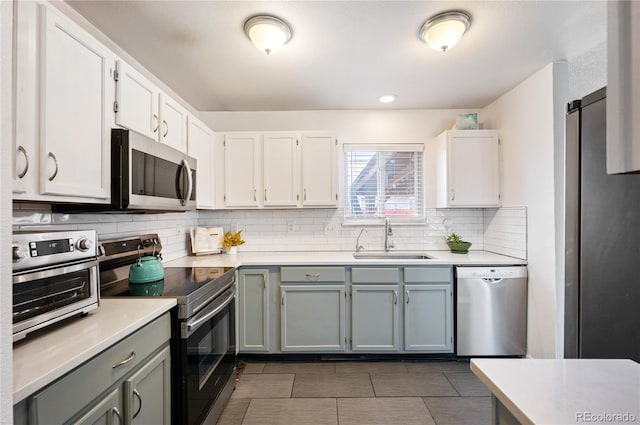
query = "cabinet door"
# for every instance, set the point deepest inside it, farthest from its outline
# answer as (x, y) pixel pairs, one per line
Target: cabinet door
(312, 318)
(428, 318)
(253, 300)
(280, 170)
(241, 170)
(374, 318)
(148, 392)
(25, 153)
(319, 172)
(137, 102)
(107, 411)
(75, 128)
(474, 169)
(200, 140)
(173, 123)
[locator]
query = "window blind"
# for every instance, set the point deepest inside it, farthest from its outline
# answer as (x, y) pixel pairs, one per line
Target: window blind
(383, 181)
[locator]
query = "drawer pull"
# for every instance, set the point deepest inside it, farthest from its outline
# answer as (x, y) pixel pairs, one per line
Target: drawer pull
(406, 294)
(137, 394)
(395, 297)
(125, 361)
(313, 275)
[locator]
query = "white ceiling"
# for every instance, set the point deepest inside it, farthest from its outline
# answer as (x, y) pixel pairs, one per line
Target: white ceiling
(345, 54)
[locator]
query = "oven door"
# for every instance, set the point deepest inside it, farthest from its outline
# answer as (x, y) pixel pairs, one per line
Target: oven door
(156, 176)
(207, 357)
(45, 296)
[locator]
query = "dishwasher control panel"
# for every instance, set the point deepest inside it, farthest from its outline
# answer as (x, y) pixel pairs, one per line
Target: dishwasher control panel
(492, 272)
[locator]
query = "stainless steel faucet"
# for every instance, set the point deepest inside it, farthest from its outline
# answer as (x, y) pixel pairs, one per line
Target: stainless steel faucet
(387, 232)
(358, 246)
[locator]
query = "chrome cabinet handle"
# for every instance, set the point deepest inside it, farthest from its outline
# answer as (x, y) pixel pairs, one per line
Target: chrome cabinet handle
(26, 157)
(265, 194)
(137, 394)
(313, 275)
(156, 121)
(453, 195)
(304, 196)
(116, 412)
(395, 297)
(125, 361)
(406, 294)
(55, 160)
(166, 126)
(282, 298)
(255, 196)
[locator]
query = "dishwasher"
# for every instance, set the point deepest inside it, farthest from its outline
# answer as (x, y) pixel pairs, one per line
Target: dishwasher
(491, 311)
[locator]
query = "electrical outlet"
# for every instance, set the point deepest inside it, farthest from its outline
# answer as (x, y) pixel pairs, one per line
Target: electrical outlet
(329, 229)
(292, 227)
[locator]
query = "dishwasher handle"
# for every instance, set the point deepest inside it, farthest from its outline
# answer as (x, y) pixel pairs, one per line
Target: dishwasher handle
(492, 280)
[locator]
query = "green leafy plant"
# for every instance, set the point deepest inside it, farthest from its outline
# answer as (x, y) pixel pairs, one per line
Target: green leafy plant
(232, 239)
(452, 237)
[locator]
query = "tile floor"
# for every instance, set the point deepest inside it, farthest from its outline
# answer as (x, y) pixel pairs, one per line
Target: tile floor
(358, 393)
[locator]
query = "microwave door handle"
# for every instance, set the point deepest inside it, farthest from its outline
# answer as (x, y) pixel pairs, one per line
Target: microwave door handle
(187, 196)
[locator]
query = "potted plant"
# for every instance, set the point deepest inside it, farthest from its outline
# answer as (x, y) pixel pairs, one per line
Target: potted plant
(231, 241)
(456, 244)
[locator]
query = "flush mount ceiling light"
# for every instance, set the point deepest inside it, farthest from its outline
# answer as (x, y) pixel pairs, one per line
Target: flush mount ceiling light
(387, 98)
(444, 30)
(267, 32)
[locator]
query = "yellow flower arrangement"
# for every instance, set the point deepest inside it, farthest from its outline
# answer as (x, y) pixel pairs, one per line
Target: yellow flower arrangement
(232, 239)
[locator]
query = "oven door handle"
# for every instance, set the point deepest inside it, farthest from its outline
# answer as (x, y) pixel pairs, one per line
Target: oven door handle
(53, 271)
(208, 312)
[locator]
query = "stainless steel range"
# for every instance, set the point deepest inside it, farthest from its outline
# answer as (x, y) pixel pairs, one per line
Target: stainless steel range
(204, 352)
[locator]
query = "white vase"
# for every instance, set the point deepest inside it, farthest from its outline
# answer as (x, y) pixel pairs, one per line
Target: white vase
(233, 250)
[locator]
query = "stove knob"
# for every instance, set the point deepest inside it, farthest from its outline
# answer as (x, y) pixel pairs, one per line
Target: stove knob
(83, 244)
(19, 253)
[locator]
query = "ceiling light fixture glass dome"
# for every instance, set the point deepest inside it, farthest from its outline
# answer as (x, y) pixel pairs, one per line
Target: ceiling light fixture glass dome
(444, 30)
(268, 33)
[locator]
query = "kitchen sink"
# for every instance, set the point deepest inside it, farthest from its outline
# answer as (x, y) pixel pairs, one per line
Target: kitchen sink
(390, 256)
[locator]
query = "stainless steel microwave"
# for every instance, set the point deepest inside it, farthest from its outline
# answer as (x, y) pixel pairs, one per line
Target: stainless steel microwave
(146, 176)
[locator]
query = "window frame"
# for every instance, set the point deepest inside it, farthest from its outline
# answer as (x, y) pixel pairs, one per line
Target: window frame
(383, 147)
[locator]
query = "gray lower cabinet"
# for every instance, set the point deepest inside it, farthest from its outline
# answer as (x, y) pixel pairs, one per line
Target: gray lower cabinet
(428, 309)
(129, 383)
(375, 318)
(253, 309)
(375, 310)
(312, 318)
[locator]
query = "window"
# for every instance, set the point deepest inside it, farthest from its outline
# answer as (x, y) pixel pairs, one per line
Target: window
(383, 181)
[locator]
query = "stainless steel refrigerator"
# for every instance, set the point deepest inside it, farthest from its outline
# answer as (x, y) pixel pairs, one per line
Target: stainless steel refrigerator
(602, 252)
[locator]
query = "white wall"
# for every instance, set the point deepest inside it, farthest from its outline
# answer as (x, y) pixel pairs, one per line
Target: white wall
(527, 122)
(6, 153)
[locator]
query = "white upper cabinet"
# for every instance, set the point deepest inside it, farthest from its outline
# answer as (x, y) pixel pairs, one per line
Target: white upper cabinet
(64, 93)
(319, 172)
(290, 170)
(137, 101)
(623, 87)
(280, 170)
(467, 165)
(200, 146)
(173, 123)
(142, 107)
(241, 162)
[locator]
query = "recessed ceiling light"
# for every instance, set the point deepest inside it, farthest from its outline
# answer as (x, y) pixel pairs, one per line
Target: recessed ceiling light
(387, 98)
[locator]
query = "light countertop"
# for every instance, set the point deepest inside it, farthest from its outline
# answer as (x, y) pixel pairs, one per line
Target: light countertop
(322, 258)
(564, 391)
(43, 357)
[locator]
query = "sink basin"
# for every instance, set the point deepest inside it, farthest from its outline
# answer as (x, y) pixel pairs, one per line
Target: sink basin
(390, 256)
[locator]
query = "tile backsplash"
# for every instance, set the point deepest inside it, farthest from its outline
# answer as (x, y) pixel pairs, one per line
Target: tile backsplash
(501, 230)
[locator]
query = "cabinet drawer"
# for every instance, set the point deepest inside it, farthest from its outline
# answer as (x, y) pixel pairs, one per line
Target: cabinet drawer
(60, 401)
(312, 274)
(375, 275)
(427, 274)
